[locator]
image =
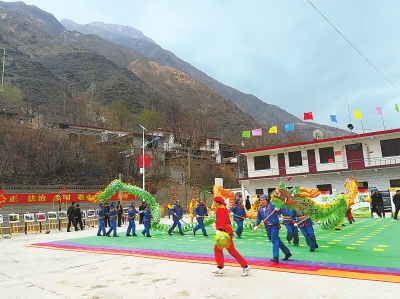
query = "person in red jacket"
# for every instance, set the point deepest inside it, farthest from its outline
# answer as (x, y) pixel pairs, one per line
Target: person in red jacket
(223, 223)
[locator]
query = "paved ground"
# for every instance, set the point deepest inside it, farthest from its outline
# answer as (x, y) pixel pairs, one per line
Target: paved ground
(27, 272)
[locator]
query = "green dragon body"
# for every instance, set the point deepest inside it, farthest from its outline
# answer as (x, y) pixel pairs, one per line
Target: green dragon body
(328, 215)
(118, 185)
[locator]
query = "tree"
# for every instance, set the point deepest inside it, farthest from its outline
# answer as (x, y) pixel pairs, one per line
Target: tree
(151, 119)
(120, 117)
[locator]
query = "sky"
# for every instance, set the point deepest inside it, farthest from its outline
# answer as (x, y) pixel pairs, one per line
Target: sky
(284, 52)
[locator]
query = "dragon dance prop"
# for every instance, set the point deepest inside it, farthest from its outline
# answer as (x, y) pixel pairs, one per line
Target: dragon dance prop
(328, 215)
(118, 185)
(222, 239)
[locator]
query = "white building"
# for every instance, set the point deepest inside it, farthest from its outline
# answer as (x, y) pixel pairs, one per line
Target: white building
(373, 158)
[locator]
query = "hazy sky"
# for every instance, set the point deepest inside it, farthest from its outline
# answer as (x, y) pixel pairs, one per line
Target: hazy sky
(283, 52)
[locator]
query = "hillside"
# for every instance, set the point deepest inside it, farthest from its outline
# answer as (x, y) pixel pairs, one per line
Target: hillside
(262, 112)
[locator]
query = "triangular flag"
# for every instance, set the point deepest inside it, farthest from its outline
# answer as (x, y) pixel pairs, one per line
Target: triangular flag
(396, 107)
(308, 116)
(256, 132)
(333, 118)
(378, 110)
(289, 127)
(246, 134)
(357, 114)
(273, 130)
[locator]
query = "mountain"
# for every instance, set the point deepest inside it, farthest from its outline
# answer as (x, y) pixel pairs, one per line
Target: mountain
(52, 65)
(264, 113)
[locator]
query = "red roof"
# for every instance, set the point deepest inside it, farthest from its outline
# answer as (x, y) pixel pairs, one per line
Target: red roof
(341, 138)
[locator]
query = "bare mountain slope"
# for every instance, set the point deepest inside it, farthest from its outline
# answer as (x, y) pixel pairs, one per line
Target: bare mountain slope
(264, 113)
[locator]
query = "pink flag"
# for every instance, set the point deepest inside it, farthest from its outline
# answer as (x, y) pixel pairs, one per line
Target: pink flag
(379, 110)
(256, 132)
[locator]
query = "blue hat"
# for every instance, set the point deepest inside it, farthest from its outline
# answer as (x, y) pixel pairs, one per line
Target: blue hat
(265, 196)
(372, 189)
(112, 203)
(237, 200)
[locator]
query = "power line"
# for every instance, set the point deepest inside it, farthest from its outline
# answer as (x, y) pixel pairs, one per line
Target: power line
(353, 46)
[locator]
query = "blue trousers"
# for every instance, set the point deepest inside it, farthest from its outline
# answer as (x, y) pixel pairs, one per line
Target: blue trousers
(200, 224)
(292, 233)
(276, 242)
(101, 227)
(146, 228)
(308, 232)
(131, 227)
(239, 229)
(113, 227)
(176, 223)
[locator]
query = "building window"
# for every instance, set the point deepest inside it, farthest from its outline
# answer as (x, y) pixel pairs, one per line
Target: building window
(390, 147)
(394, 183)
(326, 155)
(262, 162)
(259, 192)
(212, 144)
(295, 159)
(325, 188)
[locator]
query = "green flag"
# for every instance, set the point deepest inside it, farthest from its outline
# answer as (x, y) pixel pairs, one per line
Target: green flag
(246, 134)
(396, 107)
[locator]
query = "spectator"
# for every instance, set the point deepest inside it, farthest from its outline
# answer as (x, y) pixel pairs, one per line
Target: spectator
(142, 207)
(396, 201)
(78, 217)
(70, 215)
(120, 210)
(248, 203)
(377, 202)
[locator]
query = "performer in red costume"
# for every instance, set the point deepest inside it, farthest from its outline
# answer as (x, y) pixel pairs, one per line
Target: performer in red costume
(223, 223)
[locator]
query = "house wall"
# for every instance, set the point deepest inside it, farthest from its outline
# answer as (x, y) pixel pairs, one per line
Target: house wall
(375, 178)
(371, 148)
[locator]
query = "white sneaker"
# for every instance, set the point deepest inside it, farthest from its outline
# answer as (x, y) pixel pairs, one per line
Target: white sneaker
(246, 271)
(217, 271)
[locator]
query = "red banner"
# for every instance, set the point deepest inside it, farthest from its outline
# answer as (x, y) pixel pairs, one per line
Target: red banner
(35, 198)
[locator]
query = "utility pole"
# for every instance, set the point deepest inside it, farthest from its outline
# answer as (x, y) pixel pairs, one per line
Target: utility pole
(2, 73)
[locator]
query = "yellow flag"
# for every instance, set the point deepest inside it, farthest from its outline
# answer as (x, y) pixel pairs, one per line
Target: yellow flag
(357, 114)
(273, 130)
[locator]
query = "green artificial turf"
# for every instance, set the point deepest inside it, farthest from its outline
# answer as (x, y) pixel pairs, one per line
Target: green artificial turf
(367, 242)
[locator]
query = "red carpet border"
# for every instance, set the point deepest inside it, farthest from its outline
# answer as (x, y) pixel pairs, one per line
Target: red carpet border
(293, 266)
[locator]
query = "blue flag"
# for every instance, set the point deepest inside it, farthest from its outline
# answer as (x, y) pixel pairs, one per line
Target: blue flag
(333, 118)
(289, 127)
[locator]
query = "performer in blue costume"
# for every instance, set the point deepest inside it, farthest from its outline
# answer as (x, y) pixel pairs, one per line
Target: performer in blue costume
(200, 211)
(239, 214)
(177, 213)
(272, 224)
(131, 220)
(306, 226)
(113, 220)
(292, 231)
(146, 220)
(102, 214)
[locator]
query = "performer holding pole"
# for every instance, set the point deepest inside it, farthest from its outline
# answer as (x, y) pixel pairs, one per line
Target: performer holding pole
(147, 220)
(306, 226)
(268, 214)
(177, 213)
(292, 231)
(102, 213)
(131, 221)
(200, 211)
(239, 213)
(223, 224)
